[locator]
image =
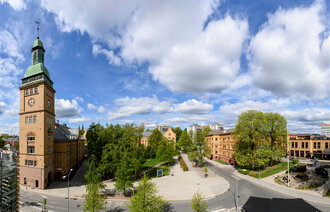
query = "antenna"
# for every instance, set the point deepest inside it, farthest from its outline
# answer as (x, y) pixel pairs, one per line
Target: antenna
(37, 22)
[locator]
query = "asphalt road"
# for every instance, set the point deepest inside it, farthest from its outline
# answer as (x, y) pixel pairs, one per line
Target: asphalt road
(252, 197)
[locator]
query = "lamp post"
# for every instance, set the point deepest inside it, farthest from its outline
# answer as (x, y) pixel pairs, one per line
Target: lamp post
(288, 154)
(69, 190)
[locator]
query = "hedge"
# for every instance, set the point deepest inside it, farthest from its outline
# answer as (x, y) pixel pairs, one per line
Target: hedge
(183, 164)
(295, 160)
(298, 168)
(243, 171)
(321, 171)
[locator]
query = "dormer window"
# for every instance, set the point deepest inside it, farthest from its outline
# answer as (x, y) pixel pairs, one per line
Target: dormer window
(36, 90)
(26, 92)
(31, 91)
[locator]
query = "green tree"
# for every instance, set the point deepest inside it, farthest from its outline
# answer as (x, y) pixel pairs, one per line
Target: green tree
(185, 142)
(155, 138)
(94, 201)
(205, 170)
(260, 137)
(166, 151)
(199, 147)
(124, 174)
(178, 132)
(198, 203)
(146, 198)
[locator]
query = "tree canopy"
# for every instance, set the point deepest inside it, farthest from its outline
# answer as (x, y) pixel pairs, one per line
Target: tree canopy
(260, 138)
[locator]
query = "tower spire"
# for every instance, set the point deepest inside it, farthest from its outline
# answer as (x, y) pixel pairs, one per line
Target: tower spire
(37, 22)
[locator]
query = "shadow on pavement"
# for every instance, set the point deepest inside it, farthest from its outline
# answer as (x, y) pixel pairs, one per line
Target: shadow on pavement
(117, 209)
(169, 208)
(257, 204)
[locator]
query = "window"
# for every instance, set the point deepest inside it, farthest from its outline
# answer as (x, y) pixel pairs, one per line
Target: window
(302, 145)
(26, 120)
(49, 149)
(30, 163)
(34, 119)
(24, 181)
(296, 144)
(49, 137)
(31, 138)
(30, 120)
(26, 92)
(326, 145)
(302, 154)
(30, 149)
(318, 145)
(216, 139)
(35, 163)
(314, 144)
(31, 91)
(292, 144)
(291, 153)
(26, 162)
(216, 152)
(36, 90)
(306, 144)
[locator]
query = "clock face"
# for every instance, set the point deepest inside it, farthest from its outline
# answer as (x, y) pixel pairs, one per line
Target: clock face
(31, 102)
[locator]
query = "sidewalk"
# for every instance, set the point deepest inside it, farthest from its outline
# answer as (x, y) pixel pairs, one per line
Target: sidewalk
(278, 188)
(181, 186)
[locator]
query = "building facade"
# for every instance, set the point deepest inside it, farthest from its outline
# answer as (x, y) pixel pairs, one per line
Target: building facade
(194, 128)
(325, 130)
(309, 146)
(221, 145)
(36, 122)
(165, 130)
(46, 149)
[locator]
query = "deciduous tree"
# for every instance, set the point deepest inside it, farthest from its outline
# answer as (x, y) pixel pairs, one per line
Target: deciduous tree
(198, 203)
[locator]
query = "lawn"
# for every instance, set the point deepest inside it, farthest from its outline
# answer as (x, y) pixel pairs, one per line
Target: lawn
(151, 162)
(222, 162)
(270, 170)
(153, 173)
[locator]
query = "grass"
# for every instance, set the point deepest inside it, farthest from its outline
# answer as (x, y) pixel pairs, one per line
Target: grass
(270, 170)
(310, 186)
(151, 162)
(328, 193)
(153, 173)
(222, 162)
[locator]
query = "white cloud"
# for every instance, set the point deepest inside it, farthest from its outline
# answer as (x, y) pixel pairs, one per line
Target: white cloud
(237, 108)
(11, 112)
(79, 99)
(79, 120)
(91, 106)
(16, 4)
(101, 109)
(193, 107)
(2, 107)
(289, 55)
(64, 108)
(113, 59)
(183, 54)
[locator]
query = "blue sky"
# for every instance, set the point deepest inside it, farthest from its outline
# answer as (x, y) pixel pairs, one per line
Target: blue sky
(171, 62)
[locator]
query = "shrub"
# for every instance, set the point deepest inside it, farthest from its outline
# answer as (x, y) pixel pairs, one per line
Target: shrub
(183, 164)
(298, 168)
(243, 171)
(321, 171)
(310, 186)
(295, 160)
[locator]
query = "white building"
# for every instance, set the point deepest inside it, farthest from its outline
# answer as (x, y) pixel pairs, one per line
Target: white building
(194, 128)
(325, 130)
(217, 127)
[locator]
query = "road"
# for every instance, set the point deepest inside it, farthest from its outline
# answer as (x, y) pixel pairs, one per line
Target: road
(252, 197)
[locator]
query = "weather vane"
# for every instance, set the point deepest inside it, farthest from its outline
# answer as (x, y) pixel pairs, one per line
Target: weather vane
(37, 22)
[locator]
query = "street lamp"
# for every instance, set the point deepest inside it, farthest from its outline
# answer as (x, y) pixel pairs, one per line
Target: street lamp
(69, 189)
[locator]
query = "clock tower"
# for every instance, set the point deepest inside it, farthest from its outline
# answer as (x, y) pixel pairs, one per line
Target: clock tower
(36, 123)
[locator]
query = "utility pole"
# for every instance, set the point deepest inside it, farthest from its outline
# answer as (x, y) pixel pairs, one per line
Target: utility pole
(288, 154)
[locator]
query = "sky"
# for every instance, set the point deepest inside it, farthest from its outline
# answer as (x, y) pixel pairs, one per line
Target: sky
(171, 62)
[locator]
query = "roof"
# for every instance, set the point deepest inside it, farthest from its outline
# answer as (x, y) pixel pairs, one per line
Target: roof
(36, 69)
(218, 132)
(37, 43)
(146, 134)
(11, 139)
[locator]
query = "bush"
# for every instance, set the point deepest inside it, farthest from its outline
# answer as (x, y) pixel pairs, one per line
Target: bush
(183, 164)
(295, 160)
(243, 171)
(310, 186)
(321, 171)
(298, 168)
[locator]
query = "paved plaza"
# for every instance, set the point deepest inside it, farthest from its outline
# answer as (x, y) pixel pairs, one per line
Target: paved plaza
(179, 185)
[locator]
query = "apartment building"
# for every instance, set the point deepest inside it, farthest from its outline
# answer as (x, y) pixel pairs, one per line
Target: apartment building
(309, 146)
(165, 130)
(325, 130)
(195, 128)
(221, 144)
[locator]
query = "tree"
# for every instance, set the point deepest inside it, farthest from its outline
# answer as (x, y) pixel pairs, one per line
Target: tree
(178, 132)
(146, 198)
(199, 148)
(185, 142)
(205, 170)
(198, 203)
(124, 174)
(260, 137)
(94, 201)
(154, 141)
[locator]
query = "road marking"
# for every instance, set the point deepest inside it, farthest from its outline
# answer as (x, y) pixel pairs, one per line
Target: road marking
(222, 209)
